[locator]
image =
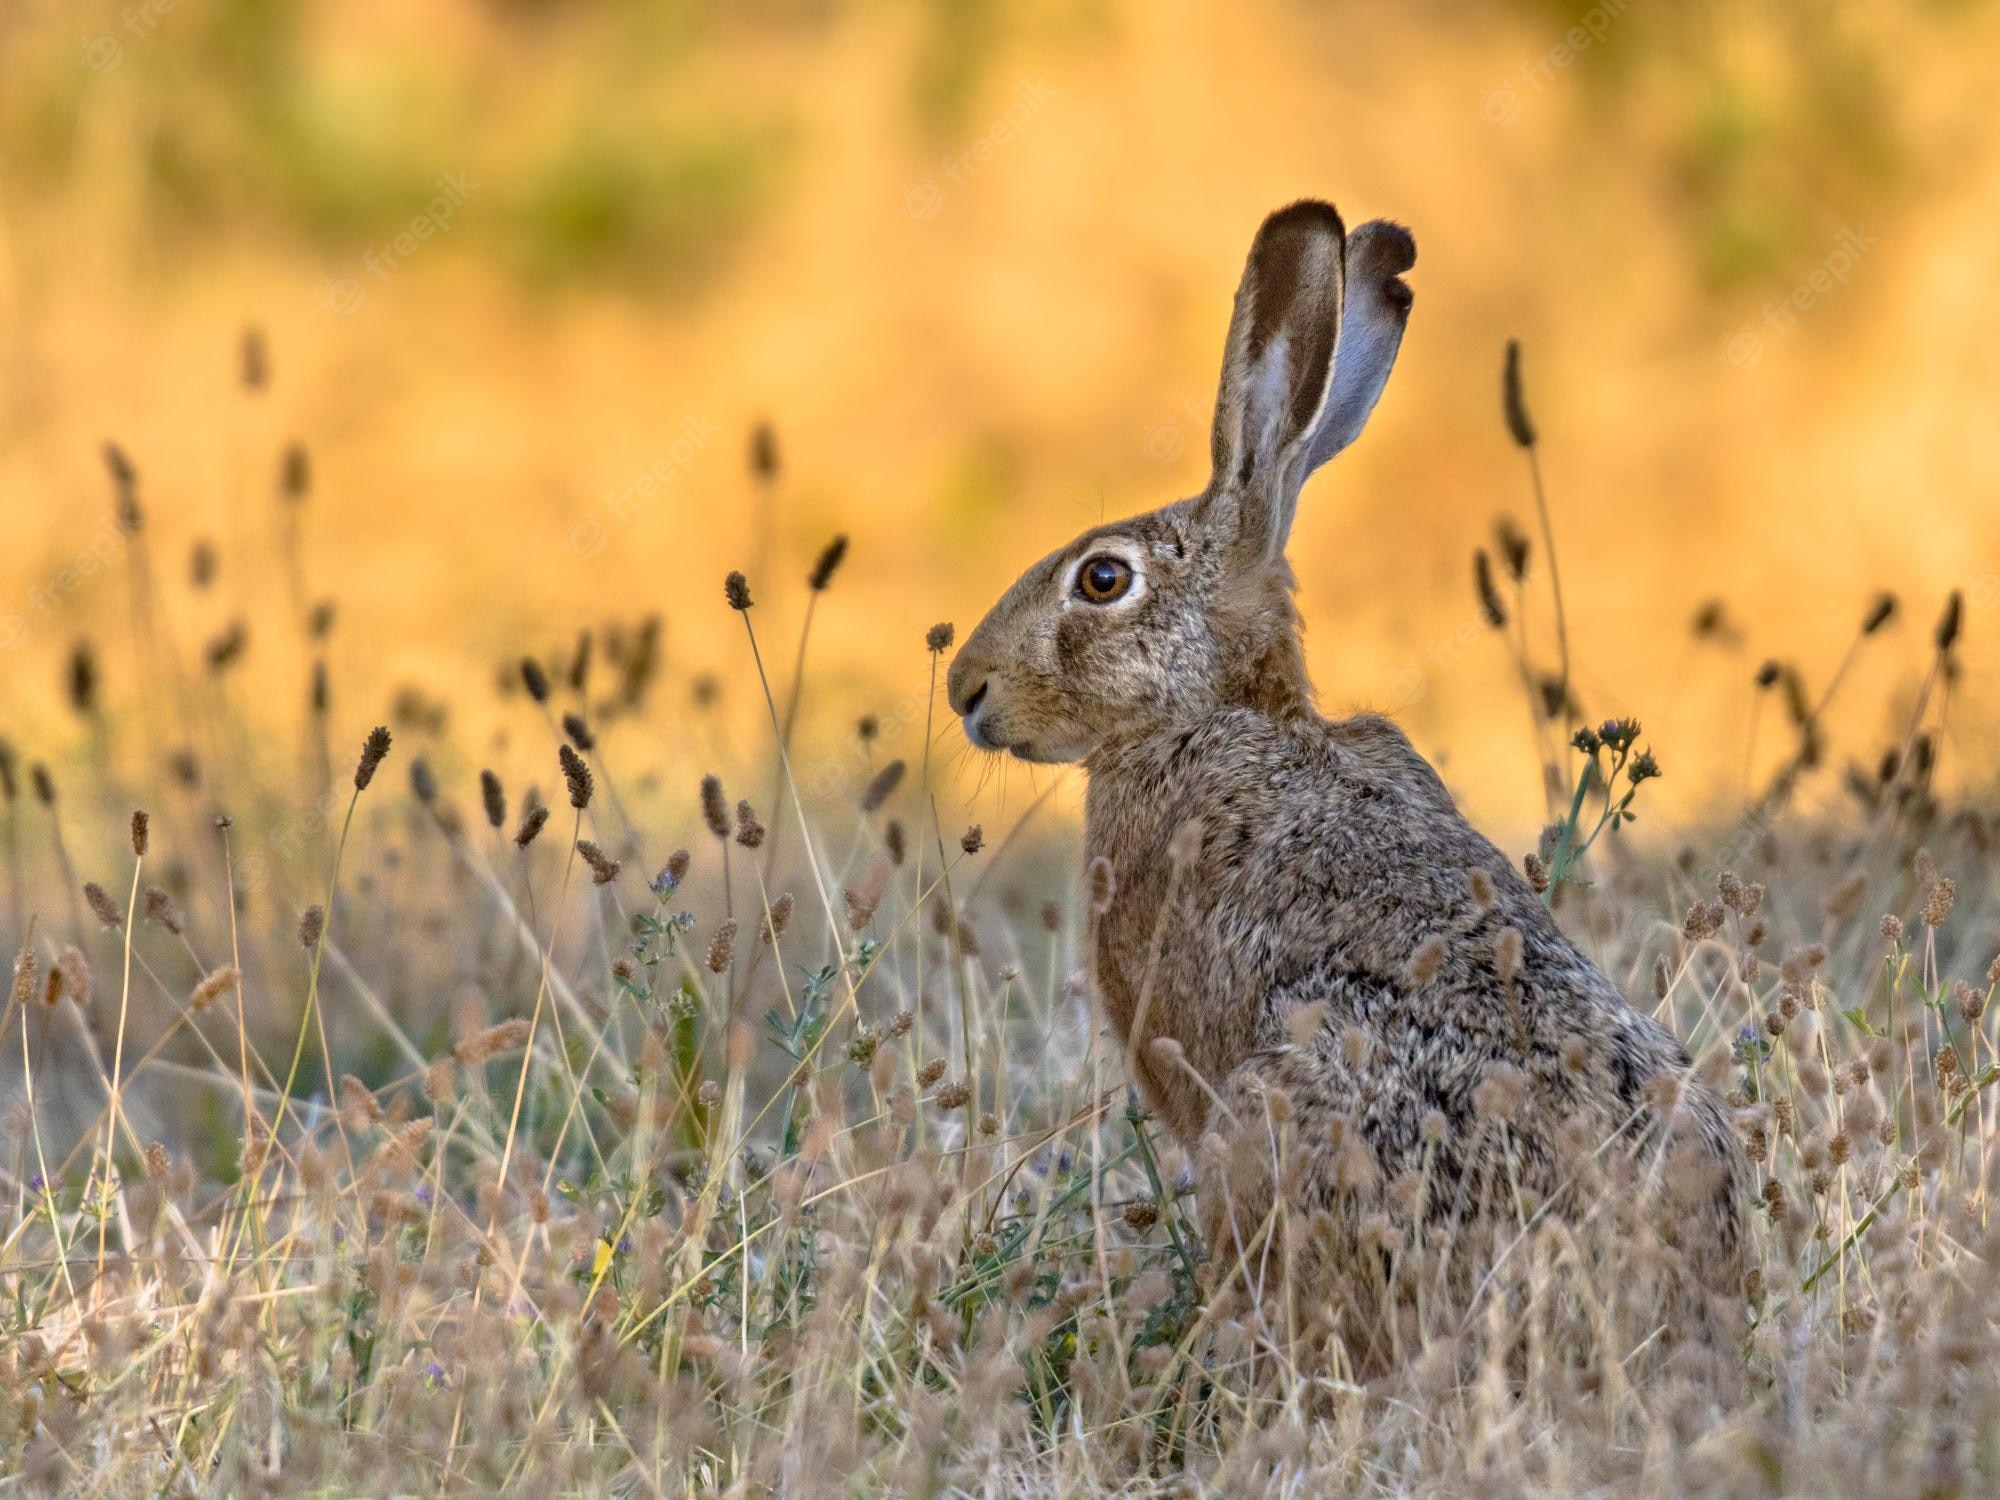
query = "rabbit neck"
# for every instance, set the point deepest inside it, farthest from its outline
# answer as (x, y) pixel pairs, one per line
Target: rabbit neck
(1262, 660)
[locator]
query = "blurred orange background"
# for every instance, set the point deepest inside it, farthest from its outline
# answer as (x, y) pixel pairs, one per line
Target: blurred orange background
(513, 260)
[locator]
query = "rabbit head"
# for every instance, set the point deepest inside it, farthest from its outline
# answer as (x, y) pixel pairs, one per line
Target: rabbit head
(1188, 608)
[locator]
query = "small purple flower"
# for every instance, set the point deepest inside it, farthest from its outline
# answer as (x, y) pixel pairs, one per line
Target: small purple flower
(424, 1194)
(624, 1244)
(37, 1182)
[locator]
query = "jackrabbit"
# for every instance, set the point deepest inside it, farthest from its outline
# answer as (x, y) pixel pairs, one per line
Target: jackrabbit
(1344, 1000)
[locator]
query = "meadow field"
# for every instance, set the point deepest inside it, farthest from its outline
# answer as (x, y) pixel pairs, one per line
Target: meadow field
(519, 983)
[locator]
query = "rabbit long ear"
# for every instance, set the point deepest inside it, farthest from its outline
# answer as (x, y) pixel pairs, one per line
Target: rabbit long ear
(1374, 309)
(1319, 319)
(1277, 369)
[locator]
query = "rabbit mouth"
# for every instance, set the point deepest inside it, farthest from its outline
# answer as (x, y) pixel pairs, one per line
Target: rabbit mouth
(984, 736)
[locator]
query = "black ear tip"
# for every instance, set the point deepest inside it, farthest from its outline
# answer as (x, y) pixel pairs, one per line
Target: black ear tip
(1404, 244)
(1381, 248)
(1309, 214)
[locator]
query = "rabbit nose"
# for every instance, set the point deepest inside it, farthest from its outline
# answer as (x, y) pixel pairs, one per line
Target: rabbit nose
(966, 686)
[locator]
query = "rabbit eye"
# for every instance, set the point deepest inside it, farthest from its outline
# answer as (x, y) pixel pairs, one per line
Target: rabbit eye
(1103, 579)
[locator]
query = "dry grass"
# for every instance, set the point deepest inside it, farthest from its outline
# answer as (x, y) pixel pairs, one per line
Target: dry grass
(355, 1140)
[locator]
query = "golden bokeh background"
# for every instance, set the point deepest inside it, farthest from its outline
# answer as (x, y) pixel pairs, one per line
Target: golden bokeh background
(973, 261)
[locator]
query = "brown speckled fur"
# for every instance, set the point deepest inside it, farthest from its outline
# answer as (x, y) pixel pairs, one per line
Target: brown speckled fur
(1329, 853)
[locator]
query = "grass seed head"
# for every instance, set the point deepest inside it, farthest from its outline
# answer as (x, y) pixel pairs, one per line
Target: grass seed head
(1950, 622)
(162, 912)
(578, 731)
(938, 638)
(494, 1041)
(603, 868)
(253, 355)
(125, 482)
(881, 786)
(1513, 401)
(295, 474)
(374, 750)
(953, 1095)
(141, 828)
(722, 947)
(1937, 902)
(312, 923)
(865, 894)
(749, 832)
(24, 984)
(736, 590)
(101, 905)
(212, 988)
(1103, 881)
(83, 678)
(764, 458)
(777, 919)
(827, 565)
(1514, 548)
(1489, 594)
(534, 679)
(532, 823)
(714, 806)
(493, 797)
(227, 647)
(576, 776)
